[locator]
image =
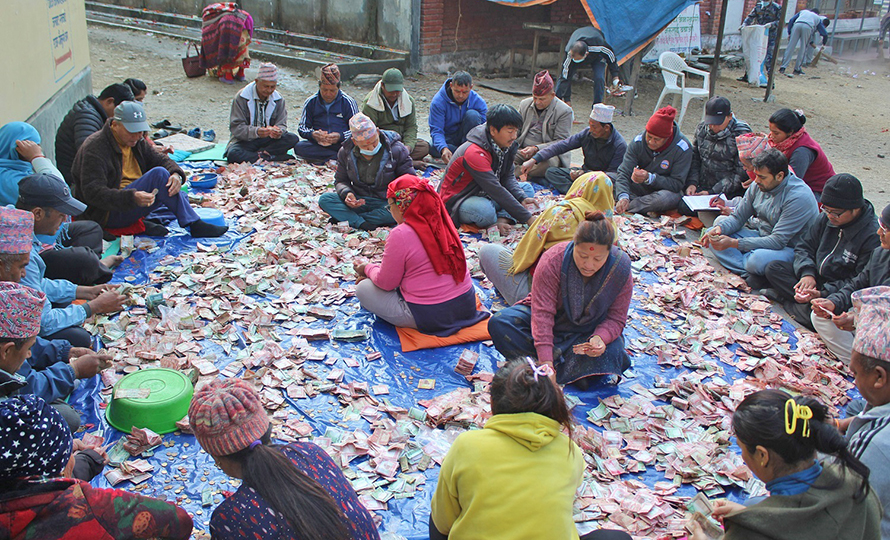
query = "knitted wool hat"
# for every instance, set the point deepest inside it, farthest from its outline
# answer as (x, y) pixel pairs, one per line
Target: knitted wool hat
(843, 191)
(750, 145)
(661, 124)
(362, 127)
(543, 84)
(16, 231)
(885, 217)
(330, 74)
(20, 311)
(268, 72)
(226, 416)
(35, 437)
(873, 324)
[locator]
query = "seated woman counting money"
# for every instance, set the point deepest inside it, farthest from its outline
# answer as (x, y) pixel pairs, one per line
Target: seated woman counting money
(575, 315)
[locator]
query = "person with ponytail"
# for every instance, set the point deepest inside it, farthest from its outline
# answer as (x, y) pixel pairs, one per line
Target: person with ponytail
(780, 436)
(287, 492)
(517, 477)
(423, 281)
(805, 156)
(576, 312)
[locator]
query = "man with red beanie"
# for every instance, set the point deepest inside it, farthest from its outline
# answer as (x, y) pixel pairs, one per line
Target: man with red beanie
(545, 120)
(655, 167)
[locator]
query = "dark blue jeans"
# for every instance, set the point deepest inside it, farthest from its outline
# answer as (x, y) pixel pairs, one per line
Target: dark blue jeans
(511, 332)
(471, 119)
(157, 179)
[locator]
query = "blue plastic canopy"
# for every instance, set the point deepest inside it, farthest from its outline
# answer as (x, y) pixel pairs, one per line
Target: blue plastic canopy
(629, 25)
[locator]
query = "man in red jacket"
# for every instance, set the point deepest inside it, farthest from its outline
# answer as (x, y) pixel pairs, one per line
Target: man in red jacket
(479, 187)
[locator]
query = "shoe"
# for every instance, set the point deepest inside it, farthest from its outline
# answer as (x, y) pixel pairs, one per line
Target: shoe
(227, 81)
(798, 72)
(365, 226)
(743, 78)
(160, 134)
(781, 70)
(194, 132)
(202, 229)
(209, 136)
(165, 124)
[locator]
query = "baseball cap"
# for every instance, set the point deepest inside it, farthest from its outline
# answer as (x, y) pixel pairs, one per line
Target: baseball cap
(132, 115)
(47, 191)
(393, 80)
(716, 110)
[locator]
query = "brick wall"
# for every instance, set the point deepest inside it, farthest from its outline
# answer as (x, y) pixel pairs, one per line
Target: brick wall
(449, 26)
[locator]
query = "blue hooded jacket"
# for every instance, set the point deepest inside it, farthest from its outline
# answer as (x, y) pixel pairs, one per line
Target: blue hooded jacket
(446, 115)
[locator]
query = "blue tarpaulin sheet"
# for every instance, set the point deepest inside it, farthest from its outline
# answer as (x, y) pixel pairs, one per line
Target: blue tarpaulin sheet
(629, 25)
(182, 471)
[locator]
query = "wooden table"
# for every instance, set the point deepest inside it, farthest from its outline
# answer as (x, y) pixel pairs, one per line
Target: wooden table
(545, 30)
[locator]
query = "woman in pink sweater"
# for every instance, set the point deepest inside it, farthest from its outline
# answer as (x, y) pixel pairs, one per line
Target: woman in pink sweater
(576, 312)
(423, 281)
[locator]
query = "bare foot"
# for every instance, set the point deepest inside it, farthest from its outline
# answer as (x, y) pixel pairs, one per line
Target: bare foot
(112, 261)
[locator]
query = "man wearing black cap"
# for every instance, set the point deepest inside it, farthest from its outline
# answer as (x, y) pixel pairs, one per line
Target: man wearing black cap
(40, 194)
(122, 179)
(835, 249)
(833, 316)
(49, 199)
(716, 167)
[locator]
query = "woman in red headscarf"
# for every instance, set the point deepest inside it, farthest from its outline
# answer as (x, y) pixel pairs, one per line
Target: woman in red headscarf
(423, 281)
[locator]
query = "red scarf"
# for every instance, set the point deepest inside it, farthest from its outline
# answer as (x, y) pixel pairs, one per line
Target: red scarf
(423, 211)
(789, 143)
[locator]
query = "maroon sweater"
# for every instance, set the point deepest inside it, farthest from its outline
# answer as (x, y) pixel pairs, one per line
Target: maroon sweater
(545, 300)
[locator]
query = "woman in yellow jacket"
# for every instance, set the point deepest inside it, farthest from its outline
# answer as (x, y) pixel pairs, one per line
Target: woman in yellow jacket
(516, 478)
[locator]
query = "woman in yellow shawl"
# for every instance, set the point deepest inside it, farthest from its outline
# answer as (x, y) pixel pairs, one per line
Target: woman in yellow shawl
(511, 272)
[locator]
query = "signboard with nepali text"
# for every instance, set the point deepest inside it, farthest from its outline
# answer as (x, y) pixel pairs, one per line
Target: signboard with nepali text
(681, 36)
(60, 33)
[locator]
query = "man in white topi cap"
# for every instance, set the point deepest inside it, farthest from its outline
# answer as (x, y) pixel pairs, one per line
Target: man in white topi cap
(603, 148)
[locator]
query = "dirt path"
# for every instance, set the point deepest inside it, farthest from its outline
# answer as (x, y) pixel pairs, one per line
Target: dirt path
(847, 105)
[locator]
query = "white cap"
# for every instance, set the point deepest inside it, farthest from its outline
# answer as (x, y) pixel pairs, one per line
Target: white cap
(602, 113)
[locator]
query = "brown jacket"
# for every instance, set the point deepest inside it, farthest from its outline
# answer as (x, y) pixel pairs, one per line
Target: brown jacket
(98, 169)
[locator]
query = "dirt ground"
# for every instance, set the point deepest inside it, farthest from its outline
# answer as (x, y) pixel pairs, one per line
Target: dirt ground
(847, 105)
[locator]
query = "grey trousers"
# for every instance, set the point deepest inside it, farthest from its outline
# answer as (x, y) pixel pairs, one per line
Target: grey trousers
(495, 260)
(388, 305)
(643, 199)
(800, 35)
(839, 342)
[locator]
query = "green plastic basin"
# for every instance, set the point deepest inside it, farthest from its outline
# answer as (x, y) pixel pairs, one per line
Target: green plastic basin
(171, 394)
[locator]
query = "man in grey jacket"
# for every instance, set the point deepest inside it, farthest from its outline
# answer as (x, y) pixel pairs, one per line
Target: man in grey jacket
(655, 167)
(545, 120)
(258, 121)
(767, 224)
(867, 432)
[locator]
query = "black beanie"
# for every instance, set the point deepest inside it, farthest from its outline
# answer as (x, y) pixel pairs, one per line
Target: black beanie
(885, 217)
(843, 191)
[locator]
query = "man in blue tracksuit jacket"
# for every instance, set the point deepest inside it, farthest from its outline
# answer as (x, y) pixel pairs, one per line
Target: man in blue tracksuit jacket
(455, 110)
(324, 123)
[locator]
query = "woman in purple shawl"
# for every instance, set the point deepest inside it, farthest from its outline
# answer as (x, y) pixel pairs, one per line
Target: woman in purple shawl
(226, 33)
(577, 310)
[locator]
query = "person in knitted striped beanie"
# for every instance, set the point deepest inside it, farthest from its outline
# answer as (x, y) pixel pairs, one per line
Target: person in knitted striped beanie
(293, 491)
(226, 416)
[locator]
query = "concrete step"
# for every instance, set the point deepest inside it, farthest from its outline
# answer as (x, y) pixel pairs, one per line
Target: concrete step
(299, 51)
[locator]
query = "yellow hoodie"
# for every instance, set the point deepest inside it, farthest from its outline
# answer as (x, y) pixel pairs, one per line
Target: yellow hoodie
(516, 479)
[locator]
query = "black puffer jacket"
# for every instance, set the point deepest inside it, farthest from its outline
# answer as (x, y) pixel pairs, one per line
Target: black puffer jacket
(715, 160)
(875, 274)
(836, 255)
(394, 162)
(86, 117)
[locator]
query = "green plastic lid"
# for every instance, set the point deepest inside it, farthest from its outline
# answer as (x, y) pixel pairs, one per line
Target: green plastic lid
(169, 395)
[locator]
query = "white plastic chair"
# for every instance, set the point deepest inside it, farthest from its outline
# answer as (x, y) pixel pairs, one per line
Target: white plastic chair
(674, 70)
